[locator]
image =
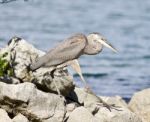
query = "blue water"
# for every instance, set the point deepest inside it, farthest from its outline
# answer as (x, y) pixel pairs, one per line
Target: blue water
(125, 23)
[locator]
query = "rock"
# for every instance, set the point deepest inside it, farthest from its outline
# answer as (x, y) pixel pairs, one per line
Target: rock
(95, 105)
(20, 118)
(4, 116)
(78, 95)
(117, 100)
(45, 82)
(123, 114)
(10, 80)
(104, 115)
(34, 104)
(22, 54)
(87, 98)
(140, 104)
(69, 108)
(80, 114)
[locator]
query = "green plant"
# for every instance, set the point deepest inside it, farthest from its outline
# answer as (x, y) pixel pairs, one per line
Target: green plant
(5, 66)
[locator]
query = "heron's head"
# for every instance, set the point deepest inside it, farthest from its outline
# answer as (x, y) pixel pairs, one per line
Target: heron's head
(96, 42)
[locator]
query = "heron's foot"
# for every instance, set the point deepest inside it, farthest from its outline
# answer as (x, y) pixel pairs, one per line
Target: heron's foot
(109, 106)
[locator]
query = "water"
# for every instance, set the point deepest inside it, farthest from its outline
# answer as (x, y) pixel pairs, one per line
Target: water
(126, 24)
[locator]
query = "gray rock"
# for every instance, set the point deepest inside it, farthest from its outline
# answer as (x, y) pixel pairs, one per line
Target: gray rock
(95, 105)
(80, 114)
(69, 108)
(62, 79)
(140, 104)
(34, 104)
(87, 98)
(123, 114)
(78, 95)
(22, 54)
(9, 80)
(4, 116)
(20, 118)
(104, 115)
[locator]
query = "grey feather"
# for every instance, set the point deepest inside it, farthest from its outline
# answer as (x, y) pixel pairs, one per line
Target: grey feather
(69, 49)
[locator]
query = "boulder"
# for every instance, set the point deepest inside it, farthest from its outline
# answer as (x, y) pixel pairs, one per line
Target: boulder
(121, 114)
(21, 54)
(97, 106)
(125, 115)
(86, 98)
(69, 108)
(20, 118)
(34, 104)
(140, 104)
(80, 114)
(4, 116)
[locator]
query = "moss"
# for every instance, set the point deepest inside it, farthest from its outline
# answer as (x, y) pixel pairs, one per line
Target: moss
(5, 66)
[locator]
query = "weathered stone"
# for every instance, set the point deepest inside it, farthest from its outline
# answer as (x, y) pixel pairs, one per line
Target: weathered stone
(69, 108)
(62, 79)
(20, 118)
(87, 98)
(80, 114)
(96, 105)
(117, 100)
(34, 104)
(140, 104)
(123, 114)
(4, 116)
(78, 95)
(9, 80)
(23, 54)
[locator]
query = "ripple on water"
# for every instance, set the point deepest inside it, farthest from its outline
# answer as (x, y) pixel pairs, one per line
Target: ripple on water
(96, 75)
(146, 57)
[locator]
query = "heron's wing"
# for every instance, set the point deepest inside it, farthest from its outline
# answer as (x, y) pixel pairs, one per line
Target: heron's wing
(69, 49)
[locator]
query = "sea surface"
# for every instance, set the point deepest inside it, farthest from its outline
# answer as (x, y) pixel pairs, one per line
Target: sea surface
(125, 23)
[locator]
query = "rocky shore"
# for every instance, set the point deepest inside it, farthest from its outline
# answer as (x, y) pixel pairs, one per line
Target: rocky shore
(27, 96)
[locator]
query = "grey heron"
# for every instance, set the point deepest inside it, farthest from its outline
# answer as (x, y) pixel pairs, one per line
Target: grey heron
(71, 49)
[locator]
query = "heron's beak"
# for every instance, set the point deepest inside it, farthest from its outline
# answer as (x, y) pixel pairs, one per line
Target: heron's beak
(106, 44)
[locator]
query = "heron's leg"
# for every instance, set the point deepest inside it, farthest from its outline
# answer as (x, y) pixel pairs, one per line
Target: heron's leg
(103, 103)
(109, 106)
(83, 80)
(52, 75)
(76, 67)
(57, 89)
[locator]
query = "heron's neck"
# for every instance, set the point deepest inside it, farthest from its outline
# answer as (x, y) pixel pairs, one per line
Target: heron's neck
(93, 49)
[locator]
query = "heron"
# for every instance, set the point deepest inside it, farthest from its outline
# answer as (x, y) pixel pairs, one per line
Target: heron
(67, 52)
